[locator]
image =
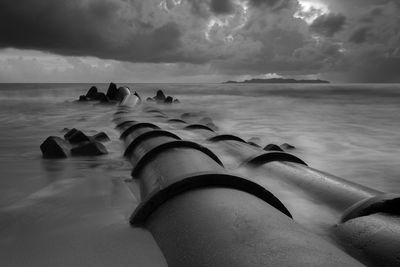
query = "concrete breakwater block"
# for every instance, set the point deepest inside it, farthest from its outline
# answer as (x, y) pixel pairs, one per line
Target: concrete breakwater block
(161, 98)
(69, 132)
(101, 97)
(272, 147)
(91, 148)
(101, 137)
(122, 92)
(254, 141)
(114, 95)
(287, 146)
(92, 92)
(112, 91)
(75, 136)
(82, 145)
(169, 100)
(54, 147)
(83, 98)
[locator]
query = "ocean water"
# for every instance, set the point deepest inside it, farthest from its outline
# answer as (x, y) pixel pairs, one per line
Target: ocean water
(351, 131)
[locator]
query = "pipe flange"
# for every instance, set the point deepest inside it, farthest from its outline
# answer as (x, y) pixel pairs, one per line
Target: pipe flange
(177, 120)
(122, 124)
(386, 203)
(148, 135)
(155, 111)
(160, 116)
(226, 137)
(202, 180)
(121, 112)
(198, 127)
(136, 126)
(170, 145)
(264, 158)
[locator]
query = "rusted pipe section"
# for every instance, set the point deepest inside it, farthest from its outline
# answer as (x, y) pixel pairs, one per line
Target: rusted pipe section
(202, 216)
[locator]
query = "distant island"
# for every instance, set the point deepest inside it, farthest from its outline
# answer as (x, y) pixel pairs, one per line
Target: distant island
(279, 80)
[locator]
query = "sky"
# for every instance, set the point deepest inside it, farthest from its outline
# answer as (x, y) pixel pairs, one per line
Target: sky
(197, 41)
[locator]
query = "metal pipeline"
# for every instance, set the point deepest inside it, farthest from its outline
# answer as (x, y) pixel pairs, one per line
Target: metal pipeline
(201, 215)
(370, 225)
(336, 192)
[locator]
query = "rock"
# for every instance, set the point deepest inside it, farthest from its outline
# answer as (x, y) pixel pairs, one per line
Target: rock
(101, 137)
(112, 91)
(149, 99)
(168, 100)
(89, 149)
(160, 96)
(272, 147)
(83, 98)
(176, 101)
(54, 147)
(65, 130)
(92, 92)
(287, 146)
(76, 137)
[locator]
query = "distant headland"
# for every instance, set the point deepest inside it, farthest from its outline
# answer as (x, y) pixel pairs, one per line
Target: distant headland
(279, 80)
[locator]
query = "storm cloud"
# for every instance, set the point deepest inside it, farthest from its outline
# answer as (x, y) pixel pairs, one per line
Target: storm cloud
(360, 35)
(102, 28)
(351, 38)
(328, 24)
(222, 6)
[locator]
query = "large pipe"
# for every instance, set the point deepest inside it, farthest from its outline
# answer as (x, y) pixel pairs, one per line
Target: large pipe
(370, 226)
(201, 215)
(336, 192)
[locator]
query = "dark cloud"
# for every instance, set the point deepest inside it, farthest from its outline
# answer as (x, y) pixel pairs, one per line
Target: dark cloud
(264, 2)
(372, 65)
(222, 6)
(371, 41)
(274, 4)
(328, 24)
(101, 28)
(200, 8)
(360, 35)
(214, 36)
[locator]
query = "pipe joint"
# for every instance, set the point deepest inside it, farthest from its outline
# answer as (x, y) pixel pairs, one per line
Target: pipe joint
(198, 127)
(385, 203)
(202, 180)
(177, 120)
(136, 126)
(148, 135)
(150, 155)
(264, 158)
(226, 137)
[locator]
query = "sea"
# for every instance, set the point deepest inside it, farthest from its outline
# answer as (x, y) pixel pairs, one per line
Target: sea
(348, 130)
